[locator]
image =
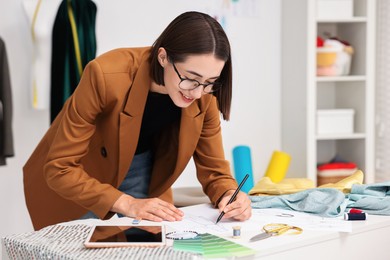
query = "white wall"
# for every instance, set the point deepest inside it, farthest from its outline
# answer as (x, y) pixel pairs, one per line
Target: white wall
(255, 118)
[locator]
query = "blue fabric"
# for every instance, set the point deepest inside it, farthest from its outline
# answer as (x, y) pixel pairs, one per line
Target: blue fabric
(325, 202)
(137, 180)
(372, 198)
(329, 202)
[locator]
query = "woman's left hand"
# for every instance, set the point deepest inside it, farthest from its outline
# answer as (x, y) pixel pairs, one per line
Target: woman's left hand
(240, 209)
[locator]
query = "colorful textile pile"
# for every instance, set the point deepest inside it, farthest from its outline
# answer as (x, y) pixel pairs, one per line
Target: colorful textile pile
(333, 172)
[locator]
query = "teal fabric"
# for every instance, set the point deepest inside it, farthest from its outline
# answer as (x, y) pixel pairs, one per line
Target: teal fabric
(329, 202)
(371, 198)
(325, 202)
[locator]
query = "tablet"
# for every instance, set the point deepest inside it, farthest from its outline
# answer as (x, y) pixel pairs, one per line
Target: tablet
(129, 235)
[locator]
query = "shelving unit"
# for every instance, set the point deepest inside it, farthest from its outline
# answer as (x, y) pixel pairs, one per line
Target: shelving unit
(303, 93)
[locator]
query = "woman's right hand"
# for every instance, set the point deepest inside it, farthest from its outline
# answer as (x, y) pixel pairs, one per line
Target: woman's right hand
(153, 209)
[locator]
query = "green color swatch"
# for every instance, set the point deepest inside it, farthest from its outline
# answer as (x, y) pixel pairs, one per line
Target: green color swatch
(211, 246)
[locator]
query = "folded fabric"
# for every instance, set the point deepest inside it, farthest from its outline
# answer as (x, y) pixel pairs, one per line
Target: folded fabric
(372, 198)
(320, 201)
(293, 185)
(286, 186)
(336, 173)
(345, 185)
(337, 165)
(376, 190)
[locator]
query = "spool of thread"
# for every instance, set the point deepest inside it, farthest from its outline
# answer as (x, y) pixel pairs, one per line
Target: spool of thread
(243, 165)
(355, 216)
(236, 232)
(278, 166)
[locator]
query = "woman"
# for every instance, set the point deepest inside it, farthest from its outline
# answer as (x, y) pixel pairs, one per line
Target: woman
(136, 118)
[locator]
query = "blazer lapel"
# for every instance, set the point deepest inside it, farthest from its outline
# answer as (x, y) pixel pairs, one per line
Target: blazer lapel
(131, 118)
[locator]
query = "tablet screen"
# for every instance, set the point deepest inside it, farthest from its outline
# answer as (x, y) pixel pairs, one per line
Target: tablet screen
(125, 235)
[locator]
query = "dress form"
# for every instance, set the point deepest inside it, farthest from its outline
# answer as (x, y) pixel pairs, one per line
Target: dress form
(41, 29)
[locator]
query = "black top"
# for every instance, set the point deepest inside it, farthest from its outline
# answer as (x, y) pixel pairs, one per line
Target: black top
(160, 111)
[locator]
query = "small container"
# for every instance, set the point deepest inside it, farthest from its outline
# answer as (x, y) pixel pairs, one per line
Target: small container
(335, 121)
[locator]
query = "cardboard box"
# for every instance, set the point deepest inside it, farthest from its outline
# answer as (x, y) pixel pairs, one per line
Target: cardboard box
(334, 9)
(335, 121)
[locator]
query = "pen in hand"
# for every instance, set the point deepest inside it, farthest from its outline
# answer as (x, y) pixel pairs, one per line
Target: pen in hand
(233, 197)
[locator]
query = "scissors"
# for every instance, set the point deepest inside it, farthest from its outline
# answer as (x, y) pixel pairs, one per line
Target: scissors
(271, 230)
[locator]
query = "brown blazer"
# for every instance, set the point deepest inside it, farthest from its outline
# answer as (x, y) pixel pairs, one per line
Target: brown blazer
(87, 151)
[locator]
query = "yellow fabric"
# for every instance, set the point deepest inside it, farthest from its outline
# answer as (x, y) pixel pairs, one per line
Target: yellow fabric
(286, 186)
(345, 184)
(292, 185)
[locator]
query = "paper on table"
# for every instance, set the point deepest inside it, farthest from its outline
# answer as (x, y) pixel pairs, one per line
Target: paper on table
(201, 218)
(303, 220)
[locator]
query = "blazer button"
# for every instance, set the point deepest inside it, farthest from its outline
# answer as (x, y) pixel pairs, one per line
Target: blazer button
(103, 152)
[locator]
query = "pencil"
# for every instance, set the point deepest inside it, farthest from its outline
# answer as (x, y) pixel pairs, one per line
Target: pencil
(233, 197)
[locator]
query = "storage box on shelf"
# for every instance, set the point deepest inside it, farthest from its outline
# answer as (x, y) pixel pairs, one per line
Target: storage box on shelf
(335, 121)
(334, 9)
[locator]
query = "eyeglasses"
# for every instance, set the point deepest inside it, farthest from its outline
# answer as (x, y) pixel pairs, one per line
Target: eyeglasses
(191, 84)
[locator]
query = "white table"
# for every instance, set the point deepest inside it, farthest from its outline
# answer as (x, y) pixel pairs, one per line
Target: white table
(368, 239)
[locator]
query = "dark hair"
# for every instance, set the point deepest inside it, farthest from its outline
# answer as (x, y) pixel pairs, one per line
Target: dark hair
(196, 33)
